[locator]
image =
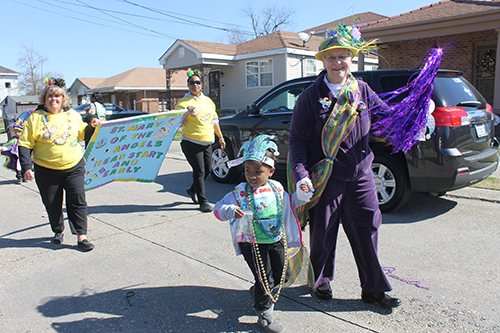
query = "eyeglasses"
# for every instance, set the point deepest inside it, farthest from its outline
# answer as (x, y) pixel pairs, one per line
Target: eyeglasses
(192, 83)
(337, 58)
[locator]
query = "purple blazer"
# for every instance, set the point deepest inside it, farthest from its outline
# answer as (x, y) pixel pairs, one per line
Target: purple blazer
(354, 157)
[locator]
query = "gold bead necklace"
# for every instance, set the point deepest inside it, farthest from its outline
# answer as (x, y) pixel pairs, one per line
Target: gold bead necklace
(261, 272)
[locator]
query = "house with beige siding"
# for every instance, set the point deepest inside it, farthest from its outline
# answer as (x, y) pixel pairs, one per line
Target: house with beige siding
(236, 75)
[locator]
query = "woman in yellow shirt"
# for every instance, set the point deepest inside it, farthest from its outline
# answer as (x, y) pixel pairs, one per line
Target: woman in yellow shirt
(53, 134)
(198, 136)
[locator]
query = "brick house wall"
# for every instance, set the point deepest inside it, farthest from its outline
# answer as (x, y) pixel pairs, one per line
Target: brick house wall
(459, 52)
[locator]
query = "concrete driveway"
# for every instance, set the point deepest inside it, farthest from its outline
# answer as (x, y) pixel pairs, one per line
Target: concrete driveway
(160, 265)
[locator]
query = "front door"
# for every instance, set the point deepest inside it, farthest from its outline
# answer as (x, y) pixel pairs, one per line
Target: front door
(484, 71)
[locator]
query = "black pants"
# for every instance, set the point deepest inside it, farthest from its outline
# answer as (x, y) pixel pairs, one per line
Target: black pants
(200, 159)
(19, 174)
(51, 184)
(273, 259)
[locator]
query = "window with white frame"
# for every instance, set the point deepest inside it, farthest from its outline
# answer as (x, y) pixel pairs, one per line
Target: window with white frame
(259, 73)
(310, 67)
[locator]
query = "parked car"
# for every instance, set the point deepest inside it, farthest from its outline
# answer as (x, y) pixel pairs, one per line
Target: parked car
(461, 152)
(113, 111)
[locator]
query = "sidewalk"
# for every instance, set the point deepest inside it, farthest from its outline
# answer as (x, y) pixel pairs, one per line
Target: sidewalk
(160, 265)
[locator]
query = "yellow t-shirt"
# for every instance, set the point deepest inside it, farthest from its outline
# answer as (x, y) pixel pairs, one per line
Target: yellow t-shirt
(37, 136)
(200, 125)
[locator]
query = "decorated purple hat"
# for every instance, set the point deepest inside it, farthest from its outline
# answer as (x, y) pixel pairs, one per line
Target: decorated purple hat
(18, 125)
(345, 37)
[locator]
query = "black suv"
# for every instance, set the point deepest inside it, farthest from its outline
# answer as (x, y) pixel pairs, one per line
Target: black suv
(462, 151)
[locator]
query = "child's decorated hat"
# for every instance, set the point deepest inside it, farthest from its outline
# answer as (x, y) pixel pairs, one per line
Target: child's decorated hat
(345, 37)
(256, 150)
(18, 125)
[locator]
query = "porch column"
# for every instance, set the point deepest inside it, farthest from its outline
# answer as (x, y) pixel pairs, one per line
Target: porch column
(168, 77)
(205, 70)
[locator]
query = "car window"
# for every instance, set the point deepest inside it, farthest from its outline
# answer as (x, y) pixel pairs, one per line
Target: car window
(453, 90)
(283, 100)
(393, 82)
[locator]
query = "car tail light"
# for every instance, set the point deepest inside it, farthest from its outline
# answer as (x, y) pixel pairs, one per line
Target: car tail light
(489, 108)
(451, 116)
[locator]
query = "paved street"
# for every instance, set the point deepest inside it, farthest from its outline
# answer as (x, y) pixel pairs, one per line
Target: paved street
(160, 265)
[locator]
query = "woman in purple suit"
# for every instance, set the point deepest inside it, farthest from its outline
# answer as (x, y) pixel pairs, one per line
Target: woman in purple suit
(348, 192)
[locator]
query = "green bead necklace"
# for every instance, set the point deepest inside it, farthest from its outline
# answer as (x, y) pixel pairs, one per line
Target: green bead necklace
(261, 272)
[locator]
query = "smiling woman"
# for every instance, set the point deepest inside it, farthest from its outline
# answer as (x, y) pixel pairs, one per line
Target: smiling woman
(53, 133)
(198, 136)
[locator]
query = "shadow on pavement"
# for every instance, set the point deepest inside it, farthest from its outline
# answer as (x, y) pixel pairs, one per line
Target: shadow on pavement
(164, 309)
(420, 207)
(125, 209)
(177, 309)
(40, 242)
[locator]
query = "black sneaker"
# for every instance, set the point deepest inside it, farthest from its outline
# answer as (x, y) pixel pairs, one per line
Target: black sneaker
(205, 207)
(58, 238)
(85, 245)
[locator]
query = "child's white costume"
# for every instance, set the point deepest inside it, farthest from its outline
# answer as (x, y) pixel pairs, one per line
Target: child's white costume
(240, 230)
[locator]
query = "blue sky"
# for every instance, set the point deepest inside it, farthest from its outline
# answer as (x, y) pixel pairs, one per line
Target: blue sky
(99, 38)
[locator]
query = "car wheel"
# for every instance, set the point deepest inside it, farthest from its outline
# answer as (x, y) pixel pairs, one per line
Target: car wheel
(391, 181)
(220, 171)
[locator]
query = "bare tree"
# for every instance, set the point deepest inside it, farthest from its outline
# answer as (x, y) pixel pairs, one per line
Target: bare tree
(271, 19)
(31, 64)
(236, 37)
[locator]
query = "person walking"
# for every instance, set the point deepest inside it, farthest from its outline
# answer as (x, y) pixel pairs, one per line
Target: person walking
(198, 136)
(52, 133)
(263, 225)
(329, 147)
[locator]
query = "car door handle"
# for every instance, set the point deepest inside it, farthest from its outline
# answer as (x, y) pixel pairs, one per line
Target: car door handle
(285, 120)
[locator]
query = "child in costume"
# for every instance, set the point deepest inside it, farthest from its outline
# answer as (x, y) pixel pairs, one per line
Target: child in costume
(10, 151)
(263, 224)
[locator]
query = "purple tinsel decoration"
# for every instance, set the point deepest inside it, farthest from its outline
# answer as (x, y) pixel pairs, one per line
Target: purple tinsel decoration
(400, 123)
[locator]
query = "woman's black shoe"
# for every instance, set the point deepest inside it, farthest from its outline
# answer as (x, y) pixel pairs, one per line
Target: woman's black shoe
(192, 195)
(58, 238)
(324, 294)
(85, 245)
(205, 207)
(381, 299)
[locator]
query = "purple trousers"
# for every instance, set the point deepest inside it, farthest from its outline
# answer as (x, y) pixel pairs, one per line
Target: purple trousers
(355, 203)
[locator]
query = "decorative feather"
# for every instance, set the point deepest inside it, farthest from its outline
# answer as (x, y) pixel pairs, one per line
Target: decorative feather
(402, 123)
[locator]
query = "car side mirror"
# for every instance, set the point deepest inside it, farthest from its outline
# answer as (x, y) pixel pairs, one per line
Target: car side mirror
(252, 109)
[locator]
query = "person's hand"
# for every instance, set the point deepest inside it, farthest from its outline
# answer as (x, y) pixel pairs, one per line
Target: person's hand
(28, 175)
(304, 189)
(222, 143)
(194, 111)
(95, 122)
(238, 213)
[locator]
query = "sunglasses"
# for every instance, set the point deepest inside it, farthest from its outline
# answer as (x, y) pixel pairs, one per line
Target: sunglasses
(192, 83)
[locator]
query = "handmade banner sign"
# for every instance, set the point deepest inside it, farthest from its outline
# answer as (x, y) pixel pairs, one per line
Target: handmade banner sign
(132, 149)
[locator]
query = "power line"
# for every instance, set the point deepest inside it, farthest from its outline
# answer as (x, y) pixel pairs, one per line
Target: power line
(119, 19)
(80, 19)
